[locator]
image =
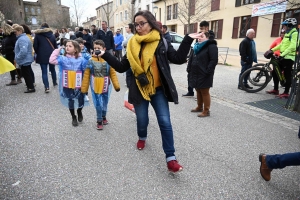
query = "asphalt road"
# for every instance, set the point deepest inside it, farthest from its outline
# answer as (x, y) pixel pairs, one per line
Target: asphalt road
(42, 156)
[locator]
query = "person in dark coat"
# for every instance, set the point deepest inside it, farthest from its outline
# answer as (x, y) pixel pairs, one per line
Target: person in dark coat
(8, 45)
(79, 34)
(166, 33)
(202, 68)
(44, 44)
(88, 40)
(106, 35)
(152, 82)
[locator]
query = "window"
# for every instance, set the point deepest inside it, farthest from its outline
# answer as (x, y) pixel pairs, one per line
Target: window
(245, 2)
(173, 28)
(58, 2)
(126, 14)
(217, 27)
(169, 10)
(32, 11)
(39, 11)
(245, 25)
(215, 5)
(192, 7)
(117, 18)
(139, 1)
(58, 11)
(177, 39)
(175, 11)
(193, 28)
(120, 2)
(19, 2)
(121, 16)
(33, 20)
(147, 7)
(21, 14)
(140, 9)
(26, 9)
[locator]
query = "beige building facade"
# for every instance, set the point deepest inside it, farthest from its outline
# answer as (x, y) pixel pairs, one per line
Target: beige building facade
(105, 12)
(230, 19)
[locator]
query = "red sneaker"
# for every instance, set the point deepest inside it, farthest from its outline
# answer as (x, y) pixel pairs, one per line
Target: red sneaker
(141, 144)
(283, 95)
(174, 167)
(99, 125)
(275, 92)
(105, 122)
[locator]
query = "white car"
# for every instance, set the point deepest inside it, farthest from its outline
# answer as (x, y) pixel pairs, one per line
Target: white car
(175, 40)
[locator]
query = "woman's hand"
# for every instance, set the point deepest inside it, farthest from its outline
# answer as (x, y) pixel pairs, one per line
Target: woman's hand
(196, 35)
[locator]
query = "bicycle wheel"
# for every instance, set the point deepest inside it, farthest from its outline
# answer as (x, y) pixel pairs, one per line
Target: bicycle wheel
(259, 75)
(256, 82)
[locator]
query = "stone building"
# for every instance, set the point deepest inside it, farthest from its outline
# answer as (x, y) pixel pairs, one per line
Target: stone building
(35, 13)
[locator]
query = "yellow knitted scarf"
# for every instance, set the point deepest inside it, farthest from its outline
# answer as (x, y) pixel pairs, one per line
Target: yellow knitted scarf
(133, 49)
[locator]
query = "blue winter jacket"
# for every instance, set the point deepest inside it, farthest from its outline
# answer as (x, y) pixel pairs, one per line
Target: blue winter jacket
(118, 41)
(23, 50)
(41, 45)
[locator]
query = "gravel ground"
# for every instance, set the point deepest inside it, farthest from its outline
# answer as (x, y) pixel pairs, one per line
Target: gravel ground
(42, 156)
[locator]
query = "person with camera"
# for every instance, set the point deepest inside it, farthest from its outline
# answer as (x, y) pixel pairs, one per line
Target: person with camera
(99, 74)
(152, 83)
(287, 49)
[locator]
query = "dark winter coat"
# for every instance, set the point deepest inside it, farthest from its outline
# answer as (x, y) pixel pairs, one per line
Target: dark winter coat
(202, 66)
(41, 45)
(8, 45)
(167, 36)
(162, 58)
(79, 34)
(246, 50)
(88, 42)
(72, 37)
(107, 37)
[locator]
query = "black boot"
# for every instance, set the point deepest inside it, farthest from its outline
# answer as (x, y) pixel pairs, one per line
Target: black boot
(74, 120)
(80, 117)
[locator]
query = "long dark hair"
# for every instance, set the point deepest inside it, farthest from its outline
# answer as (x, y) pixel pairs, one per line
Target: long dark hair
(150, 18)
(26, 29)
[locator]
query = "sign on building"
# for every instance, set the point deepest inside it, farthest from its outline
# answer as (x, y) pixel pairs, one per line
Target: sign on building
(267, 8)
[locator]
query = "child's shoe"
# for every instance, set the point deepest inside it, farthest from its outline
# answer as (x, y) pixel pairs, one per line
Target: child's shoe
(99, 125)
(104, 120)
(174, 167)
(74, 121)
(141, 144)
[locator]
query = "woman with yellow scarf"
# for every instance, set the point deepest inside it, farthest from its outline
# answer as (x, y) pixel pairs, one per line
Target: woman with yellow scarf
(147, 56)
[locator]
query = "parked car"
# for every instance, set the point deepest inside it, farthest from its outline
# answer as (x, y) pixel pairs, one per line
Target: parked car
(176, 41)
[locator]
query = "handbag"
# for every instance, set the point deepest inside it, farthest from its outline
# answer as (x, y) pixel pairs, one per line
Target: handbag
(50, 44)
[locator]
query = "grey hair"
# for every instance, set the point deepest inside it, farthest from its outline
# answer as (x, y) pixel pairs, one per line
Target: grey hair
(249, 31)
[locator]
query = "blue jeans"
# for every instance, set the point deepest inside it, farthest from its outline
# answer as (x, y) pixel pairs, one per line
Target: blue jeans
(281, 161)
(100, 102)
(160, 105)
(45, 74)
(245, 66)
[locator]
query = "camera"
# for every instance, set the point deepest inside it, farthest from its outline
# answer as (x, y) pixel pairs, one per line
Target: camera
(97, 52)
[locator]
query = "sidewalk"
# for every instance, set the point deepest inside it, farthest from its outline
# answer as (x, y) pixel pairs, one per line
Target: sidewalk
(233, 58)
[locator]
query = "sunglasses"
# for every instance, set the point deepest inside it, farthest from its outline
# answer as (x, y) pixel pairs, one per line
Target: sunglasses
(141, 24)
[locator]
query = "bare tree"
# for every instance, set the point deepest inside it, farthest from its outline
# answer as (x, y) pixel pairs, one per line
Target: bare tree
(78, 8)
(192, 11)
(107, 11)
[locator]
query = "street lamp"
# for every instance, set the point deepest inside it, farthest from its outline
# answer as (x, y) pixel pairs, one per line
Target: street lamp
(154, 9)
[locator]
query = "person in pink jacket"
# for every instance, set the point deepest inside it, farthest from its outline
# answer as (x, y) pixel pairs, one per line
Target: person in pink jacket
(277, 41)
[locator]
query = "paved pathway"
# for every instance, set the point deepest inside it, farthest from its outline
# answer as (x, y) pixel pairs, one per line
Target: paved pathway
(43, 157)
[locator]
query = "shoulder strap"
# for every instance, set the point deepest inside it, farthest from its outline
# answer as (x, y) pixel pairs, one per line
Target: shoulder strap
(166, 43)
(50, 43)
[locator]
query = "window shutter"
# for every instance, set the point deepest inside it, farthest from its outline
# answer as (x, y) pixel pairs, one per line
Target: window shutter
(256, 1)
(220, 28)
(215, 5)
(253, 24)
(276, 25)
(235, 29)
(185, 29)
(238, 3)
